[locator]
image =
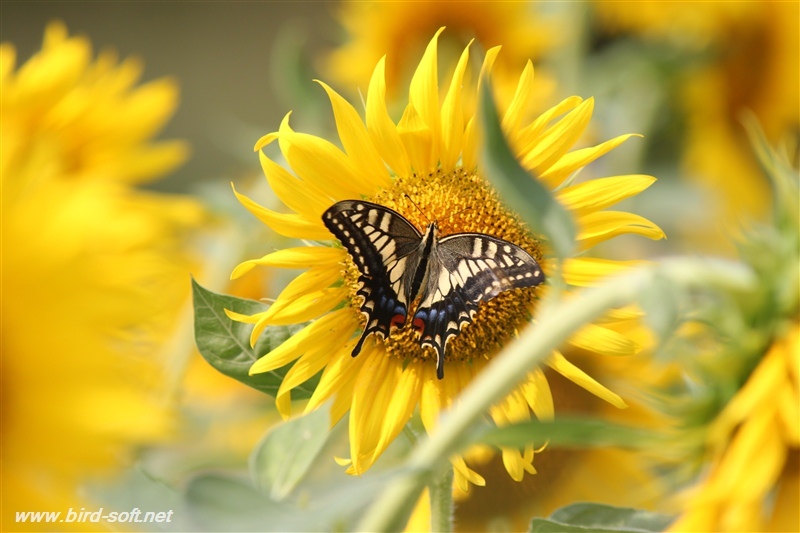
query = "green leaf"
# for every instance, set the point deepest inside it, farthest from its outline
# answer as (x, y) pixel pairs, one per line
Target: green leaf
(599, 518)
(137, 487)
(288, 451)
(225, 343)
(217, 502)
(564, 432)
(522, 192)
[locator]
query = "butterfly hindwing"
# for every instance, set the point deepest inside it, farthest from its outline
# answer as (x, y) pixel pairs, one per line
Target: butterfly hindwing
(464, 270)
(381, 243)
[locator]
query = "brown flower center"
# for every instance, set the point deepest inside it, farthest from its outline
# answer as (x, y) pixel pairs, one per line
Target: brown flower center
(459, 202)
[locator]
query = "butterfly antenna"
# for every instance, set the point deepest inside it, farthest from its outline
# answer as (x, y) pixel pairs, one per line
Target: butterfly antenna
(418, 208)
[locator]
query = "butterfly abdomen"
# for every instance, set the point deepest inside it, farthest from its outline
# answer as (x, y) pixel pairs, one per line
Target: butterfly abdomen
(421, 272)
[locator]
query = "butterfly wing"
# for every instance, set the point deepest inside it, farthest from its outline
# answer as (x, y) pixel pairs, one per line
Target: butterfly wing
(382, 245)
(464, 270)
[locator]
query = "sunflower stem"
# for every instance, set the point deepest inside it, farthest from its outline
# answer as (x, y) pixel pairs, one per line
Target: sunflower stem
(533, 346)
(441, 494)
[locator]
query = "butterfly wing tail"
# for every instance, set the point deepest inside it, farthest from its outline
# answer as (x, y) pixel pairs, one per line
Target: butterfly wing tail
(440, 322)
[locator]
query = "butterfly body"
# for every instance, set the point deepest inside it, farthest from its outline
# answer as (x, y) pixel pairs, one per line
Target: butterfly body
(441, 279)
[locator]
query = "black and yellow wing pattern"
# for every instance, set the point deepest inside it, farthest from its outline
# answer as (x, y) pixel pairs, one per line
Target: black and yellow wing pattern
(447, 277)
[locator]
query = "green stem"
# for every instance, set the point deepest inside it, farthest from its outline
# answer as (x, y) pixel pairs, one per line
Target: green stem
(441, 493)
(533, 346)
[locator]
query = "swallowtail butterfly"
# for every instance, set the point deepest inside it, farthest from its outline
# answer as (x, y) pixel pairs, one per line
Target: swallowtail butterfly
(447, 277)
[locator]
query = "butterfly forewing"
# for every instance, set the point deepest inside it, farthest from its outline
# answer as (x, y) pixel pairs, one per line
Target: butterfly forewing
(382, 244)
(451, 276)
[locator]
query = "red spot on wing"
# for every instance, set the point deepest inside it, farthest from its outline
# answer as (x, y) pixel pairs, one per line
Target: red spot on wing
(418, 324)
(397, 321)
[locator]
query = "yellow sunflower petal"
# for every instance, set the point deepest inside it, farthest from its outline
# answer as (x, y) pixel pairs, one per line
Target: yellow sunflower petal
(382, 130)
(587, 272)
(572, 161)
(269, 138)
(453, 116)
(306, 307)
(301, 257)
(335, 370)
(49, 71)
(469, 152)
(8, 60)
(536, 391)
(417, 138)
(519, 104)
(602, 340)
(630, 313)
(423, 97)
(528, 135)
(337, 381)
(369, 405)
(297, 195)
(735, 475)
(356, 141)
(320, 162)
(604, 225)
(558, 139)
(284, 406)
(790, 347)
(561, 365)
(512, 463)
(295, 226)
(763, 382)
(312, 335)
(514, 409)
(487, 65)
(401, 405)
(247, 319)
(516, 463)
(343, 399)
(147, 164)
(464, 475)
(789, 412)
(432, 400)
(594, 195)
(309, 364)
(313, 280)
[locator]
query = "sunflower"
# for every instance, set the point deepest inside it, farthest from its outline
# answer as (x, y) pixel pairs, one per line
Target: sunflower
(742, 56)
(426, 168)
(96, 264)
(755, 446)
(401, 30)
(744, 428)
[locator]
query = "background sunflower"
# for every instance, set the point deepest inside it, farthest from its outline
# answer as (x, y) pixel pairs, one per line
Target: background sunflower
(105, 399)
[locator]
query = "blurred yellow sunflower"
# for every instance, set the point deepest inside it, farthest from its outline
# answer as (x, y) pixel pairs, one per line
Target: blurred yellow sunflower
(93, 271)
(425, 167)
(401, 30)
(750, 52)
(755, 447)
(747, 441)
